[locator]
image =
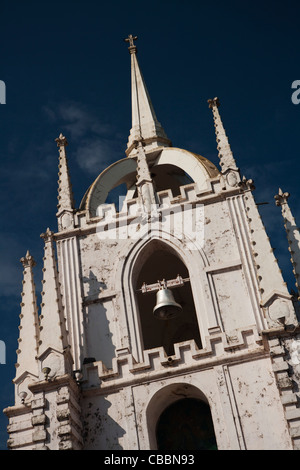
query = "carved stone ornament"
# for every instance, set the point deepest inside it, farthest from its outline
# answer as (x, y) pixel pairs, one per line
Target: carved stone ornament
(27, 260)
(281, 197)
(231, 179)
(48, 235)
(246, 184)
(132, 47)
(61, 141)
(213, 102)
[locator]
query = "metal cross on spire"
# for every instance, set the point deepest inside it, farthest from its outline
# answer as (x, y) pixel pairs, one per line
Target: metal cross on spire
(132, 46)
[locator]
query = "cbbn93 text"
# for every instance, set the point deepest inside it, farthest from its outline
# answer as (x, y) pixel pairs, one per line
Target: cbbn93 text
(166, 459)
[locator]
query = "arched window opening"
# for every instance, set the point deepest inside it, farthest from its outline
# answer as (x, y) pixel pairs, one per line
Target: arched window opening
(117, 196)
(186, 425)
(160, 262)
(169, 177)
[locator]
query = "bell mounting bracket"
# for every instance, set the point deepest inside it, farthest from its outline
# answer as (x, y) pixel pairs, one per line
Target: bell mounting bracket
(169, 284)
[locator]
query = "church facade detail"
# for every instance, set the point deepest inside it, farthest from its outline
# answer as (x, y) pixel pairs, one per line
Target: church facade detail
(165, 321)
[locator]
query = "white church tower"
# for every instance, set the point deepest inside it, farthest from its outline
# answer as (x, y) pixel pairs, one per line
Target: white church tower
(165, 324)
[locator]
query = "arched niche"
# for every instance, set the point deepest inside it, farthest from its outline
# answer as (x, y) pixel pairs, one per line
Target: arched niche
(126, 271)
(169, 176)
(186, 425)
(158, 261)
(194, 418)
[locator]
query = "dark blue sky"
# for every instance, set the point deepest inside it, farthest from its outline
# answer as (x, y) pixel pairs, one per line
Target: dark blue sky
(67, 69)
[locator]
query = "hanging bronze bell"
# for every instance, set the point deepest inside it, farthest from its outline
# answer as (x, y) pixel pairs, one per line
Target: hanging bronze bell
(166, 308)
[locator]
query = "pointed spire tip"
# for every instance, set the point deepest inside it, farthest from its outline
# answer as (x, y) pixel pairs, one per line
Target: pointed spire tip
(213, 102)
(281, 198)
(27, 260)
(61, 141)
(48, 235)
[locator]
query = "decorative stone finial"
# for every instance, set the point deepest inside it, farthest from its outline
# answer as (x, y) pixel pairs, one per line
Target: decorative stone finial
(132, 47)
(48, 235)
(213, 102)
(28, 261)
(61, 141)
(281, 197)
(246, 184)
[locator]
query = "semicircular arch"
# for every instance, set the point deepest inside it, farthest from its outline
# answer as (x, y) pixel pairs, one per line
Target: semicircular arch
(166, 397)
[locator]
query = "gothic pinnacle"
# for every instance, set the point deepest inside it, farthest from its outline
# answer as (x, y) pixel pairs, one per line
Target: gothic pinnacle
(292, 232)
(227, 160)
(52, 332)
(28, 338)
(65, 194)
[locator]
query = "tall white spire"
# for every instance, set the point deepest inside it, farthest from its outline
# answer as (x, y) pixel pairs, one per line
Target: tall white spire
(28, 338)
(227, 160)
(145, 125)
(293, 234)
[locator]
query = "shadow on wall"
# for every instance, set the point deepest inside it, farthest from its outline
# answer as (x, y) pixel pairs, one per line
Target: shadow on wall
(100, 431)
(94, 286)
(99, 334)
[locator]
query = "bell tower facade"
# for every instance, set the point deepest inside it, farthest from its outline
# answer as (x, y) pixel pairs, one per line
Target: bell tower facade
(165, 321)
